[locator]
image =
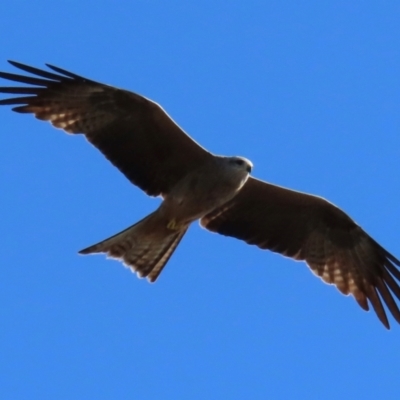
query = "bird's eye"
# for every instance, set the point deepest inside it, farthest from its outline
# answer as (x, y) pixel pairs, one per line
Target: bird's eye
(239, 162)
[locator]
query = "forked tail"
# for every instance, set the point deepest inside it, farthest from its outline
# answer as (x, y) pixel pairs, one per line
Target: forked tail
(144, 247)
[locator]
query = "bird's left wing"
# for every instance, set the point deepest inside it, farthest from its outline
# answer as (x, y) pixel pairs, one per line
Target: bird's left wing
(309, 228)
(133, 132)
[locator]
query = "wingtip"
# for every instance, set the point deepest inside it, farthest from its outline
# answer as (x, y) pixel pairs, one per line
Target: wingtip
(14, 63)
(66, 73)
(387, 326)
(55, 68)
(17, 64)
(94, 249)
(383, 318)
(84, 251)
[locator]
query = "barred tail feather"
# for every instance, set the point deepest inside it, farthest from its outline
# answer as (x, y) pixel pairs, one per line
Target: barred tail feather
(144, 247)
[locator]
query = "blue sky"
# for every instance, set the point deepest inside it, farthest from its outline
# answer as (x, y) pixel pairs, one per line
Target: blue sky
(310, 92)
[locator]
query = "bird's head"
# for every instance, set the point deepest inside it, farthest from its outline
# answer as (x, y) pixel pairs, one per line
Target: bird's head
(241, 163)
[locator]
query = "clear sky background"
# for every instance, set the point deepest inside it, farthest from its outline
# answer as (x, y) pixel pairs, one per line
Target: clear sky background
(307, 90)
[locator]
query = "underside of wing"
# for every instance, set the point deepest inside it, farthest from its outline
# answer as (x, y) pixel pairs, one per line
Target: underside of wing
(134, 133)
(309, 228)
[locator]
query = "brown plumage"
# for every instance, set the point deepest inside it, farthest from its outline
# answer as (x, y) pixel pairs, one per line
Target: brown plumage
(150, 149)
(122, 125)
(309, 228)
(145, 247)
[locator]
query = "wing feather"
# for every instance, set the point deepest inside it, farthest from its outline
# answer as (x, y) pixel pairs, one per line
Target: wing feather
(134, 133)
(310, 228)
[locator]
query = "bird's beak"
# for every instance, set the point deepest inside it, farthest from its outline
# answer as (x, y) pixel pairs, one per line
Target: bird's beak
(248, 169)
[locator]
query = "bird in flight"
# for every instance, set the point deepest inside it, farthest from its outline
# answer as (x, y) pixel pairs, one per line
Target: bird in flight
(139, 138)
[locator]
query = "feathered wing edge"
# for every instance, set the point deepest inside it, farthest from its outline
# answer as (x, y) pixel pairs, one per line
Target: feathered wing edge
(309, 228)
(134, 133)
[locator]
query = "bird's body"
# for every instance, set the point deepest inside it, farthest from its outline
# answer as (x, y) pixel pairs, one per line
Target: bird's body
(138, 137)
(206, 188)
(147, 245)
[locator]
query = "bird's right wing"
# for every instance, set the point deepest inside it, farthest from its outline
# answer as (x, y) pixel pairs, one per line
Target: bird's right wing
(134, 133)
(309, 228)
